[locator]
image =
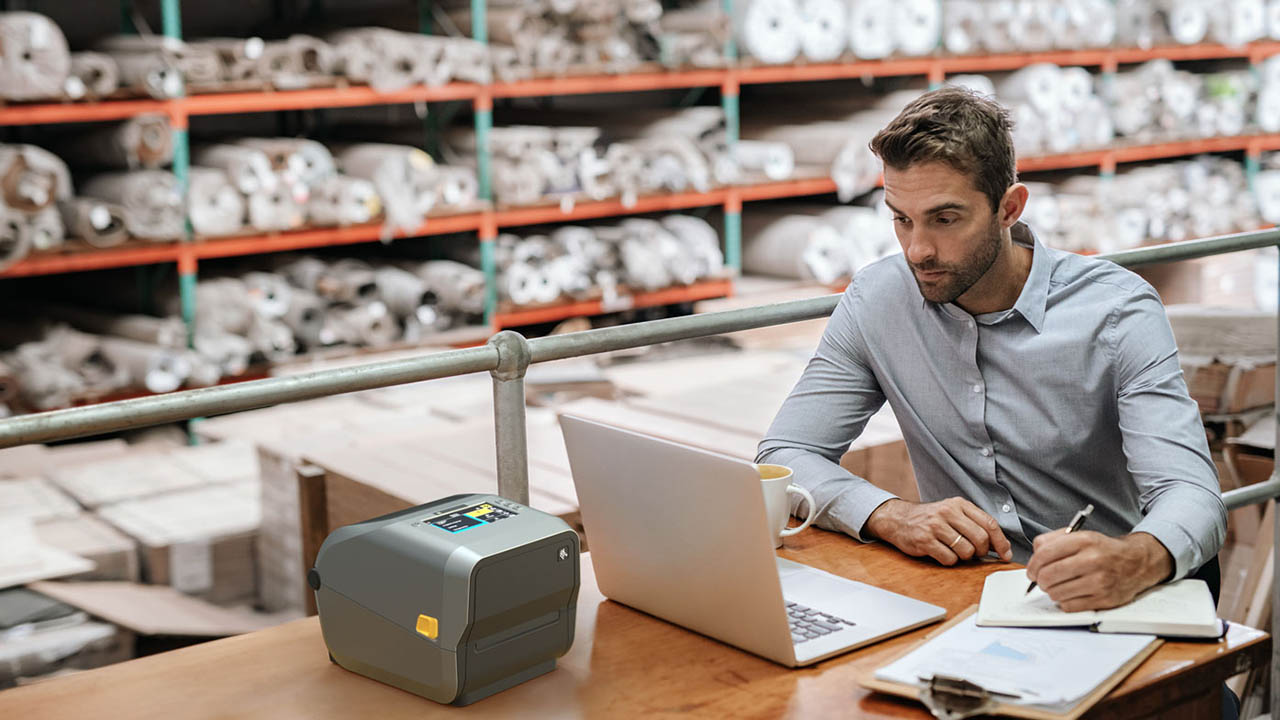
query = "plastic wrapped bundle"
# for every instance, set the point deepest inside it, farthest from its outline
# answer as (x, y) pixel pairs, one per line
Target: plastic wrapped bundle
(151, 199)
(45, 228)
(774, 159)
(408, 298)
(918, 26)
(459, 288)
(215, 207)
(36, 61)
(468, 60)
(15, 243)
(305, 318)
(367, 324)
(96, 222)
(701, 242)
(824, 29)
(158, 369)
(151, 72)
(384, 59)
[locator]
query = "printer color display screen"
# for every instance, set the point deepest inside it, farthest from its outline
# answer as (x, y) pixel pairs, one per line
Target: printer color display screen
(470, 517)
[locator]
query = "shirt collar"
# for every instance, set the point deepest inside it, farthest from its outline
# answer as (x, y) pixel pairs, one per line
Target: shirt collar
(1035, 291)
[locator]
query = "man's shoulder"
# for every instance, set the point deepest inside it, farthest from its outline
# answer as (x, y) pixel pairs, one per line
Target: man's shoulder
(887, 277)
(1073, 272)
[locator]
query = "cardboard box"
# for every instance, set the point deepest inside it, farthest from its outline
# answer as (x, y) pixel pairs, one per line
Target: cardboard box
(200, 541)
(40, 460)
(35, 499)
(1219, 388)
(114, 554)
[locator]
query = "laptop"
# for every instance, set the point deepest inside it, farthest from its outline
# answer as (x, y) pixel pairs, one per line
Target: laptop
(680, 533)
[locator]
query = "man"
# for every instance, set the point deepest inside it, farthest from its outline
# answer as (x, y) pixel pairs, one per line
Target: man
(1028, 383)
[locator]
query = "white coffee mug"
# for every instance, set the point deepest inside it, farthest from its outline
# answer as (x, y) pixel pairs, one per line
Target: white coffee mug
(776, 483)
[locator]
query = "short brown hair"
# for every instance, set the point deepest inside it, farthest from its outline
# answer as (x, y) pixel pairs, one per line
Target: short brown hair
(968, 131)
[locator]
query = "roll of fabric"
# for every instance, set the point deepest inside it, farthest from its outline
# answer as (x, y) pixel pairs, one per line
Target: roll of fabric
(1136, 23)
(775, 159)
(96, 72)
(383, 59)
(770, 30)
(403, 176)
(824, 29)
(701, 241)
(152, 201)
(96, 222)
(1187, 20)
(32, 178)
(45, 228)
(269, 293)
(237, 57)
(458, 186)
(793, 246)
(1237, 22)
(305, 317)
(229, 353)
(214, 206)
(196, 64)
(169, 332)
(368, 324)
(248, 169)
(468, 60)
(872, 34)
(300, 162)
(143, 141)
(407, 297)
(343, 200)
(158, 369)
(459, 287)
(867, 234)
(294, 62)
(1038, 85)
(151, 72)
(275, 210)
(36, 60)
(15, 244)
(962, 33)
(917, 26)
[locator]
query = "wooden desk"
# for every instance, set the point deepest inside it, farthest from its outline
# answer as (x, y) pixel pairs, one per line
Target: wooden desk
(623, 664)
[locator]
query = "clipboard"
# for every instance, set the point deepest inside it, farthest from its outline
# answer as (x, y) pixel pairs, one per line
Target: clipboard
(949, 698)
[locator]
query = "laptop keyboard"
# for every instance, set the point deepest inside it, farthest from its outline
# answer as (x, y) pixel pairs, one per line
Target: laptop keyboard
(807, 623)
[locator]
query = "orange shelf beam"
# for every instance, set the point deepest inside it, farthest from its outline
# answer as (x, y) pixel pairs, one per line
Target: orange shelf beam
(79, 259)
(45, 113)
(625, 82)
(511, 217)
(705, 290)
(326, 237)
(349, 96)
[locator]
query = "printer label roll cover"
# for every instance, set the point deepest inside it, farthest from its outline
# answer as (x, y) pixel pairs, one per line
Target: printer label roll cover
(501, 579)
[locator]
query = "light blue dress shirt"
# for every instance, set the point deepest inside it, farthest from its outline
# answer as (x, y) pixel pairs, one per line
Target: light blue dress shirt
(1072, 396)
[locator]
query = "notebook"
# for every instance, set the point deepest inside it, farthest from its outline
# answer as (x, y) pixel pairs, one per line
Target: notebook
(1180, 609)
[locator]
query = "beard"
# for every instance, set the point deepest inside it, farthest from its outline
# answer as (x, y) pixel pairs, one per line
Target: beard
(959, 277)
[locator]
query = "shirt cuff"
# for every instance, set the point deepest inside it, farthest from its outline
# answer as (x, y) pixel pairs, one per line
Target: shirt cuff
(1183, 548)
(845, 501)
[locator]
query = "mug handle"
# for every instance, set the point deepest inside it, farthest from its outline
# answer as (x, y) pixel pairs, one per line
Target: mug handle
(813, 510)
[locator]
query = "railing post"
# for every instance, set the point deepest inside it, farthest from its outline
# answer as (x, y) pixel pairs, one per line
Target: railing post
(1275, 549)
(508, 415)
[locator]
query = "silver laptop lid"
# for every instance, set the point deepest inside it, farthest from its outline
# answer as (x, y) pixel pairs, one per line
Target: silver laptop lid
(679, 533)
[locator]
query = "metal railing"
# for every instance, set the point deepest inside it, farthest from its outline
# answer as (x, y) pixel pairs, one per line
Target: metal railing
(507, 357)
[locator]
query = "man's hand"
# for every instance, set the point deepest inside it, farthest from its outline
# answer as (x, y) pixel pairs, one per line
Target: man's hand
(948, 531)
(1086, 570)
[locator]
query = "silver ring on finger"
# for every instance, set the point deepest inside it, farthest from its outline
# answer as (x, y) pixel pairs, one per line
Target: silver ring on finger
(953, 542)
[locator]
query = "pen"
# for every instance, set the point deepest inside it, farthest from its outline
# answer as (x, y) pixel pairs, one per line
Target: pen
(1077, 522)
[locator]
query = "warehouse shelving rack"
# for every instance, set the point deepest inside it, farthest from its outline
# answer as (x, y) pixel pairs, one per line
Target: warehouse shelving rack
(488, 220)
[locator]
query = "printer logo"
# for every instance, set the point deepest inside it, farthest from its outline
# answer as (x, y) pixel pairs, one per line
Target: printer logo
(564, 553)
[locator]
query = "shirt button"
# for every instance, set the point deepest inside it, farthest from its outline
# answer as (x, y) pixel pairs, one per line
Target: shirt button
(977, 388)
(1006, 508)
(986, 452)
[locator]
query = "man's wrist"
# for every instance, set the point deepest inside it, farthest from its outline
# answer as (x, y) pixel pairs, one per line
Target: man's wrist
(881, 520)
(1155, 561)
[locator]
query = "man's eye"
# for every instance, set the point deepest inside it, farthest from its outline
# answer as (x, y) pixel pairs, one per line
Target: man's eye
(901, 220)
(943, 220)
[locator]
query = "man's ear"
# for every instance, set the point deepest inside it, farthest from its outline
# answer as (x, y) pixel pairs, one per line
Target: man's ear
(1012, 204)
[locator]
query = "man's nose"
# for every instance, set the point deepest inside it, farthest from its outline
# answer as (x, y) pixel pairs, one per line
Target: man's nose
(919, 249)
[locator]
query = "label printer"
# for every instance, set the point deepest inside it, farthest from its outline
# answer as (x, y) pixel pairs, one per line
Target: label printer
(454, 600)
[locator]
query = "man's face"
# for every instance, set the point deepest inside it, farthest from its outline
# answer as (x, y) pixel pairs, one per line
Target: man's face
(948, 232)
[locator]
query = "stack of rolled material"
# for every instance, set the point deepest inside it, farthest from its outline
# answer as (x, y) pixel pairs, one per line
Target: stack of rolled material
(62, 365)
(143, 141)
(552, 36)
(150, 201)
(404, 177)
(580, 262)
(35, 182)
(92, 76)
(1055, 109)
(1005, 26)
(782, 31)
(817, 243)
(1266, 188)
(1154, 102)
(1163, 202)
(693, 36)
